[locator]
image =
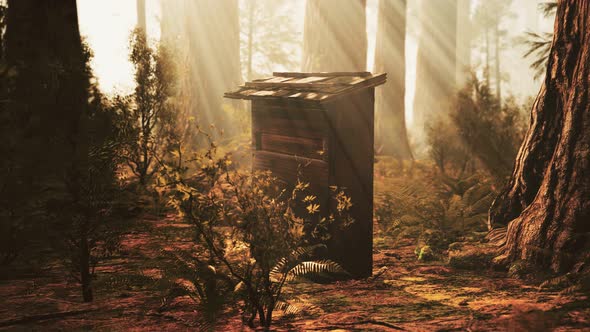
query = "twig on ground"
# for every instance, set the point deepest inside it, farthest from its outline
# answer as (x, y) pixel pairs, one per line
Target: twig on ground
(363, 322)
(36, 318)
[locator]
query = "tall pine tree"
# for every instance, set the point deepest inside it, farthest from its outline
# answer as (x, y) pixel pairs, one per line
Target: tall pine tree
(390, 99)
(335, 36)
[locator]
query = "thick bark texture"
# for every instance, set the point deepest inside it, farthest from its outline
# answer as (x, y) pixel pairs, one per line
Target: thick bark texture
(546, 204)
(390, 99)
(436, 63)
(51, 89)
(335, 36)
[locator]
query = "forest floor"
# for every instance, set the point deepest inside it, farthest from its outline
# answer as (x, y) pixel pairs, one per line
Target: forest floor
(404, 295)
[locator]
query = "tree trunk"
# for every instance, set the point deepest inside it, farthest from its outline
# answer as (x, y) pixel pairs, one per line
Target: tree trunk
(390, 99)
(212, 30)
(488, 66)
(51, 89)
(436, 63)
(497, 65)
(547, 201)
(251, 9)
(335, 36)
(50, 97)
(141, 17)
(171, 26)
(464, 36)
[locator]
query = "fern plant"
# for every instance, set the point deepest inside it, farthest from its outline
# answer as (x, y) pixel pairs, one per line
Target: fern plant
(435, 211)
(187, 275)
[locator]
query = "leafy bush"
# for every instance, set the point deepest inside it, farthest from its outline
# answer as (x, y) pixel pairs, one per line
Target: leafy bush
(253, 239)
(472, 152)
(491, 130)
(84, 223)
(149, 116)
(480, 132)
(450, 156)
(83, 218)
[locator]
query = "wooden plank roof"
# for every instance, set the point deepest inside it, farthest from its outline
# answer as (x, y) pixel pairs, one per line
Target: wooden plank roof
(320, 87)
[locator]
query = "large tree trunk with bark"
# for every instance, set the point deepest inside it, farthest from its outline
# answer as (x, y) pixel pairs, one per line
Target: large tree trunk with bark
(546, 204)
(335, 36)
(436, 63)
(390, 99)
(50, 91)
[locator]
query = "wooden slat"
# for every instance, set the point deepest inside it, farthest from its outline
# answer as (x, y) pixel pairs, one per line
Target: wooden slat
(310, 79)
(275, 80)
(353, 81)
(313, 148)
(371, 82)
(322, 74)
(320, 90)
(291, 85)
(296, 123)
(286, 167)
(264, 93)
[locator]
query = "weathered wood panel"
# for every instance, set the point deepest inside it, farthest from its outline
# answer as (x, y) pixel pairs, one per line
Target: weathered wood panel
(289, 122)
(314, 148)
(289, 168)
(328, 74)
(306, 88)
(351, 159)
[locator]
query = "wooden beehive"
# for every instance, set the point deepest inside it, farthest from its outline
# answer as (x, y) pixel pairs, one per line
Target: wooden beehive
(324, 121)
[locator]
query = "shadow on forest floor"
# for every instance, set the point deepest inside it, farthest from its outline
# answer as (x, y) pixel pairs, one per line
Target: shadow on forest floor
(405, 295)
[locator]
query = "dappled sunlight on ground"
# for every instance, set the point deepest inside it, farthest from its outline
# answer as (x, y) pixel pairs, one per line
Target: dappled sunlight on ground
(406, 295)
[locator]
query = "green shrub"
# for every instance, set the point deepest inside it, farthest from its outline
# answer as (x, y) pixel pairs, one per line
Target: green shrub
(253, 240)
(490, 129)
(84, 220)
(148, 117)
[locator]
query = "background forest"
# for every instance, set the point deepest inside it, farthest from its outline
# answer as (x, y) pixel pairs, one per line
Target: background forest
(126, 185)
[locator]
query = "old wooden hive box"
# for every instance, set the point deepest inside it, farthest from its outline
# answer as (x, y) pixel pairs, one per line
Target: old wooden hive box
(323, 121)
